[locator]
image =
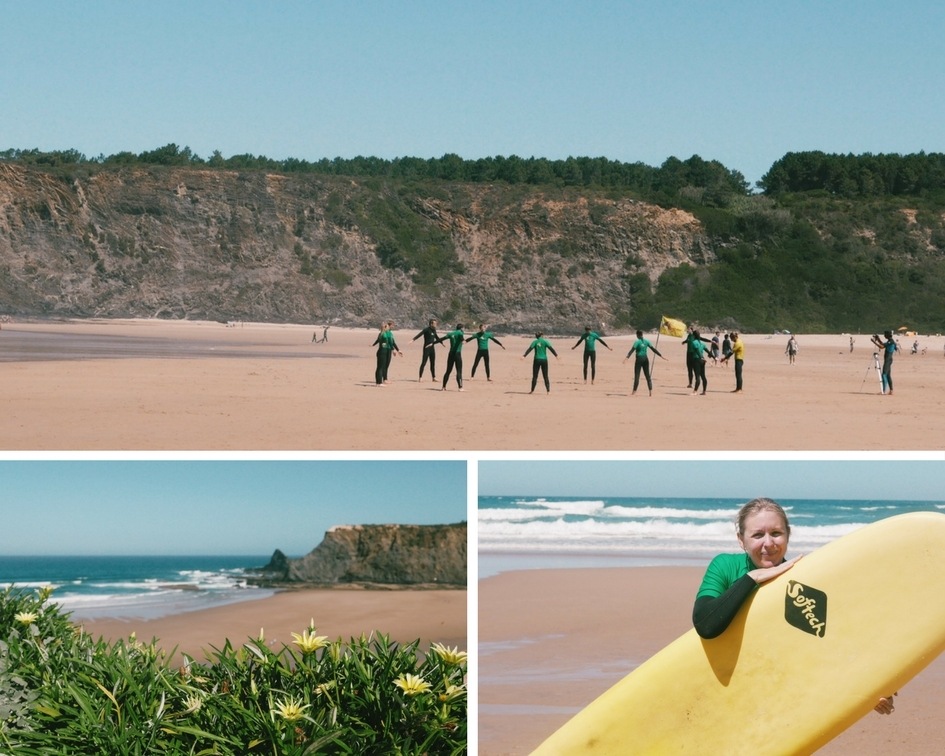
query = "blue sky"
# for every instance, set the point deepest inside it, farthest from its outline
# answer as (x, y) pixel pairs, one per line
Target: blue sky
(742, 82)
(214, 507)
(792, 479)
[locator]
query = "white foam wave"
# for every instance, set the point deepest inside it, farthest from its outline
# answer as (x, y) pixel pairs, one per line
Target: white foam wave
(624, 536)
(597, 509)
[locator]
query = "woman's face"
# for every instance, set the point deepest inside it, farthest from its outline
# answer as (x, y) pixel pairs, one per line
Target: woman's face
(765, 538)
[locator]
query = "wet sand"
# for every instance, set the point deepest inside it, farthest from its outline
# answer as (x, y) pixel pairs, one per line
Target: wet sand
(431, 616)
(166, 385)
(550, 641)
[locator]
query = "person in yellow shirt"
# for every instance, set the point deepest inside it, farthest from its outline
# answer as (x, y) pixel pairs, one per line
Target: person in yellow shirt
(738, 353)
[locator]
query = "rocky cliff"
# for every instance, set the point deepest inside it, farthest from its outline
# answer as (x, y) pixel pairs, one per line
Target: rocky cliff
(378, 554)
(224, 245)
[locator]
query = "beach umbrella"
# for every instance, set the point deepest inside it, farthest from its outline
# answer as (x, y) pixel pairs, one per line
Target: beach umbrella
(902, 328)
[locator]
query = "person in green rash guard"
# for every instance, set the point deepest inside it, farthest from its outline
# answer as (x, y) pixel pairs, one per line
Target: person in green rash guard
(454, 358)
(763, 531)
(482, 338)
(642, 363)
(429, 336)
(540, 346)
(590, 339)
(696, 356)
(386, 346)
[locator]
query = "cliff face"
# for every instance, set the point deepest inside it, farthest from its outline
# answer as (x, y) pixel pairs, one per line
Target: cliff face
(223, 245)
(385, 554)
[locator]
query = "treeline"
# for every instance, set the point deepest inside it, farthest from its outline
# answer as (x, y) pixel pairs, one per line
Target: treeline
(851, 176)
(857, 176)
(598, 172)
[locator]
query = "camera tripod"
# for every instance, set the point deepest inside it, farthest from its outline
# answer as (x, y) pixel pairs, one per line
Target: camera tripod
(879, 374)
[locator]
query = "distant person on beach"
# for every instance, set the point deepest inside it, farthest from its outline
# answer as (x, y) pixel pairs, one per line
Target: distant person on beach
(738, 352)
(429, 336)
(482, 338)
(851, 344)
(726, 346)
(454, 358)
(791, 349)
(763, 531)
(714, 349)
(590, 339)
(324, 337)
(640, 347)
(691, 367)
(695, 355)
(889, 348)
(540, 346)
(386, 346)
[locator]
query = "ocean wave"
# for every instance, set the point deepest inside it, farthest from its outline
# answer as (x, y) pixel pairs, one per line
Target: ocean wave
(599, 509)
(598, 535)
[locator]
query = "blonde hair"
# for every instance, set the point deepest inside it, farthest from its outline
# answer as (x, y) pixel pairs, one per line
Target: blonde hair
(760, 505)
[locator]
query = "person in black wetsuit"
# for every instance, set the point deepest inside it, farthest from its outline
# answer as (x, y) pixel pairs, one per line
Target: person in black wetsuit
(693, 354)
(454, 358)
(429, 348)
(889, 347)
(763, 532)
(482, 338)
(386, 346)
(640, 347)
(540, 346)
(590, 339)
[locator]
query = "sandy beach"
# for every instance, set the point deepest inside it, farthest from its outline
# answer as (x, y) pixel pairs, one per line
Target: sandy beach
(165, 385)
(550, 641)
(432, 616)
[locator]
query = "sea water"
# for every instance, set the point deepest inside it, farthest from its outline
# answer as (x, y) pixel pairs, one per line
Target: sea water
(521, 532)
(93, 587)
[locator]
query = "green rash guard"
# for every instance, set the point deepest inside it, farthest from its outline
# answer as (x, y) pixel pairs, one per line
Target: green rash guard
(590, 341)
(725, 587)
(640, 346)
(541, 347)
(697, 349)
(722, 571)
(456, 339)
(483, 338)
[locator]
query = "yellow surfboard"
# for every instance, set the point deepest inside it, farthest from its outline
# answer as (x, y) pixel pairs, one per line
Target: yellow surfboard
(809, 654)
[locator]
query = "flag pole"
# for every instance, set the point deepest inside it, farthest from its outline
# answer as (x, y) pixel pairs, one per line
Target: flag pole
(657, 345)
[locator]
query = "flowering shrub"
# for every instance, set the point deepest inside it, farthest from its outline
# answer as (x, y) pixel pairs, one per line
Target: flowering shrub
(62, 692)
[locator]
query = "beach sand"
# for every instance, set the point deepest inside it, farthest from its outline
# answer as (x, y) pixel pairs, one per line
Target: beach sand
(169, 385)
(550, 641)
(431, 616)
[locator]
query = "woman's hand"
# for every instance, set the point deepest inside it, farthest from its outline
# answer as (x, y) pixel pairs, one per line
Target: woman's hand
(886, 705)
(764, 574)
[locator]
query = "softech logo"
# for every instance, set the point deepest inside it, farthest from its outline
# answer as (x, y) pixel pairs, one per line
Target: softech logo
(806, 608)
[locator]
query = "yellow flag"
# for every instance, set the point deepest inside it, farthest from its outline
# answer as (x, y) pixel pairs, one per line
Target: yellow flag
(671, 327)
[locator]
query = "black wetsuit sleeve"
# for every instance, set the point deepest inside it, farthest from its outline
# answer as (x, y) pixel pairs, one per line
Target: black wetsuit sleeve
(712, 614)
